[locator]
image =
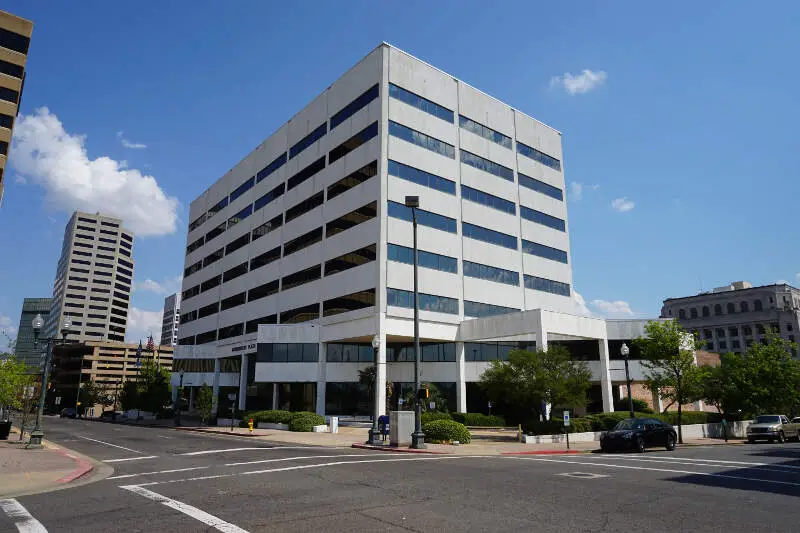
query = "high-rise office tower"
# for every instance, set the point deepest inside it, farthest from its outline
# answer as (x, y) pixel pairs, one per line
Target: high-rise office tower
(15, 38)
(93, 279)
(169, 324)
(25, 349)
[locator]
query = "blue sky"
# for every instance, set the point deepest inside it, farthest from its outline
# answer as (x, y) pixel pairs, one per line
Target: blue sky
(678, 141)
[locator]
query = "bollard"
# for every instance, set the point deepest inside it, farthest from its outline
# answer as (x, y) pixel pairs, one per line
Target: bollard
(250, 425)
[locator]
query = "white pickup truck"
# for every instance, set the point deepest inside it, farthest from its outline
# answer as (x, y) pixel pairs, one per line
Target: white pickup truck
(775, 428)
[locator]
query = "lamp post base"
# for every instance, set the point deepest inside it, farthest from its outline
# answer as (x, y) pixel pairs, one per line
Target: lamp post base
(418, 441)
(37, 435)
(373, 437)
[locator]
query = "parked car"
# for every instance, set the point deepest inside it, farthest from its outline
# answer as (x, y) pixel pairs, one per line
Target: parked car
(796, 420)
(67, 412)
(109, 415)
(772, 428)
(638, 434)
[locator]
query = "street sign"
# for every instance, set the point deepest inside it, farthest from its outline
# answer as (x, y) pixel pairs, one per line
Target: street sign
(432, 405)
(566, 418)
(58, 400)
(232, 397)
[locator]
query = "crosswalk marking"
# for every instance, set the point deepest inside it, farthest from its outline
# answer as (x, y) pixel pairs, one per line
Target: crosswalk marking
(22, 518)
(198, 514)
(226, 450)
(130, 459)
(109, 444)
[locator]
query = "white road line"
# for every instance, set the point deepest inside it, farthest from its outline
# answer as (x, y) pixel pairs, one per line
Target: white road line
(130, 459)
(321, 465)
(109, 444)
(708, 462)
(160, 472)
(206, 452)
(204, 517)
(22, 518)
(667, 470)
(306, 457)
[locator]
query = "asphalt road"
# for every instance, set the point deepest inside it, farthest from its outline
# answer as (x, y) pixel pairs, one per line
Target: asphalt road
(166, 480)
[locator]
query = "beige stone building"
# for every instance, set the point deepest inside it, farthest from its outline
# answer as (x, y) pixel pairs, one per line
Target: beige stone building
(15, 38)
(109, 364)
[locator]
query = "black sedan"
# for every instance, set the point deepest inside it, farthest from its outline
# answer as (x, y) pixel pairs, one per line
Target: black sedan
(639, 434)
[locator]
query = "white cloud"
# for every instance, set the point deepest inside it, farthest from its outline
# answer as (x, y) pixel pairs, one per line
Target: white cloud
(8, 330)
(143, 323)
(617, 309)
(128, 144)
(165, 287)
(21, 180)
(623, 204)
(581, 83)
(580, 304)
(576, 190)
(783, 281)
(57, 160)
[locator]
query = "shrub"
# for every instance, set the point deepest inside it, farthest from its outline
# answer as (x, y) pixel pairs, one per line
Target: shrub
(268, 417)
(446, 431)
(430, 416)
(689, 417)
(556, 427)
(305, 421)
(639, 406)
(607, 421)
(479, 419)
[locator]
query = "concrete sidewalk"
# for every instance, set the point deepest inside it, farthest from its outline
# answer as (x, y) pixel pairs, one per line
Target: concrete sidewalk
(26, 471)
(356, 436)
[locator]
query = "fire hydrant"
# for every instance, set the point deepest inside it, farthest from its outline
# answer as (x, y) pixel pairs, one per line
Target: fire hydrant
(250, 425)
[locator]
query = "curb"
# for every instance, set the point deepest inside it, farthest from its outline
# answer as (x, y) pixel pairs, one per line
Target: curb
(217, 432)
(394, 449)
(84, 466)
(548, 452)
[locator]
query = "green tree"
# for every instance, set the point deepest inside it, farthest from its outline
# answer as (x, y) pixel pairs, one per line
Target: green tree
(366, 378)
(129, 397)
(669, 364)
(91, 394)
(204, 402)
(529, 379)
(13, 383)
(154, 388)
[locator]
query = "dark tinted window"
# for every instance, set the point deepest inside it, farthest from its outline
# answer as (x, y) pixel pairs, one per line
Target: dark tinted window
(542, 218)
(234, 272)
(234, 330)
(262, 291)
(301, 278)
(251, 326)
(541, 250)
(487, 166)
(491, 273)
(305, 206)
(348, 302)
(269, 197)
(9, 95)
(266, 258)
(6, 121)
(241, 215)
(353, 218)
(308, 140)
(198, 222)
(420, 177)
(14, 41)
(484, 131)
(536, 155)
(208, 310)
(210, 283)
(208, 336)
(540, 186)
(350, 109)
(351, 180)
(233, 301)
(420, 139)
(488, 235)
(303, 241)
(195, 245)
(427, 302)
(306, 173)
(11, 69)
(213, 257)
(350, 260)
(423, 104)
(489, 200)
(216, 232)
(243, 188)
(272, 167)
(266, 227)
(425, 218)
(192, 269)
(190, 292)
(218, 207)
(353, 142)
(546, 285)
(404, 254)
(479, 309)
(237, 243)
(300, 314)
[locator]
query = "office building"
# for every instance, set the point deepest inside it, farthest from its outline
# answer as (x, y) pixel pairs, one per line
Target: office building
(171, 319)
(301, 253)
(732, 317)
(107, 364)
(25, 349)
(93, 279)
(15, 39)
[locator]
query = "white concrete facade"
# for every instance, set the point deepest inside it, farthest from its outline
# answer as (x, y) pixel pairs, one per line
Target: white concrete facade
(170, 320)
(497, 238)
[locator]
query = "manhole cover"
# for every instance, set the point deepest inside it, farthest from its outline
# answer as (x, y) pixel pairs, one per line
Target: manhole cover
(582, 475)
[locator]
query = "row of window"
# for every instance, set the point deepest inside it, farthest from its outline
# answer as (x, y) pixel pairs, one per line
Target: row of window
(422, 140)
(730, 308)
(484, 131)
(747, 331)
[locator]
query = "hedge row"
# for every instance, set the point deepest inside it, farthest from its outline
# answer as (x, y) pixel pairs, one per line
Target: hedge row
(444, 431)
(298, 421)
(607, 421)
(479, 419)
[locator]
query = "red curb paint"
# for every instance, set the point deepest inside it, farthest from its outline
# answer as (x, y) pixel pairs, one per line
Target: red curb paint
(84, 467)
(546, 452)
(394, 449)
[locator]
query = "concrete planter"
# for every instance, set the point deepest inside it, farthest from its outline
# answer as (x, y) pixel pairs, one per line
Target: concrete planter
(270, 425)
(320, 429)
(226, 422)
(691, 431)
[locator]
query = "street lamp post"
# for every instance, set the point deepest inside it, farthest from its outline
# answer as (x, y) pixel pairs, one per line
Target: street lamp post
(374, 431)
(418, 437)
(37, 435)
(178, 400)
(625, 351)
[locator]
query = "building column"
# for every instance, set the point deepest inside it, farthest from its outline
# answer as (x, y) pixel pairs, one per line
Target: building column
(274, 396)
(658, 403)
(191, 399)
(605, 377)
(215, 387)
(321, 371)
(461, 378)
(541, 344)
(175, 397)
(381, 374)
(243, 371)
